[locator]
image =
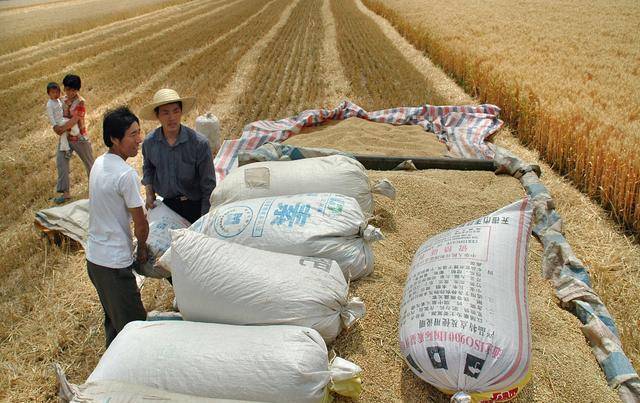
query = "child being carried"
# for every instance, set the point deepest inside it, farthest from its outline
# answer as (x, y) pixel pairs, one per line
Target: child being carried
(55, 111)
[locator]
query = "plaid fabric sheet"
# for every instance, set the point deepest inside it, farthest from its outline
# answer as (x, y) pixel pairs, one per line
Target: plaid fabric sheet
(464, 129)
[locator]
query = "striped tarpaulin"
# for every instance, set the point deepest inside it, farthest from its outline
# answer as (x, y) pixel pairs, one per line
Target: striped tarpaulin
(464, 129)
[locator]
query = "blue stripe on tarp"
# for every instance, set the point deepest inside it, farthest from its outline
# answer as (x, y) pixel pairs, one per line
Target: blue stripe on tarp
(610, 323)
(535, 189)
(617, 364)
(545, 221)
(586, 312)
(579, 273)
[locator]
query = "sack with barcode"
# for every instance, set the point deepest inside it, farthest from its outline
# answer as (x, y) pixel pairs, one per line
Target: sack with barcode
(464, 320)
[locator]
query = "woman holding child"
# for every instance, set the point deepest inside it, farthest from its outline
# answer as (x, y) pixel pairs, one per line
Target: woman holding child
(75, 131)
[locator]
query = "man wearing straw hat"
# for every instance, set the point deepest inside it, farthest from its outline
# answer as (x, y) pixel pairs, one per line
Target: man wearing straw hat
(177, 162)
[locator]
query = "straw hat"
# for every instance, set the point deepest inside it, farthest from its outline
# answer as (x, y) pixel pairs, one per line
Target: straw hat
(163, 97)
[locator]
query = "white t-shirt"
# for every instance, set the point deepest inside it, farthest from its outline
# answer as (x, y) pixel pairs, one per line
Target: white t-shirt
(55, 112)
(114, 188)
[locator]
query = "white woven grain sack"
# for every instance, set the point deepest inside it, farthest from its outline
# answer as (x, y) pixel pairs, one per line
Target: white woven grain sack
(464, 322)
(222, 282)
(322, 225)
(161, 219)
(122, 392)
(332, 174)
(263, 363)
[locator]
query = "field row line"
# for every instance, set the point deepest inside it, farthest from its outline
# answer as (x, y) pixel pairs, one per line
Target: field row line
(285, 72)
(332, 72)
(41, 28)
(40, 6)
(65, 42)
(228, 105)
(94, 60)
(442, 84)
(59, 57)
(380, 75)
(193, 53)
(121, 67)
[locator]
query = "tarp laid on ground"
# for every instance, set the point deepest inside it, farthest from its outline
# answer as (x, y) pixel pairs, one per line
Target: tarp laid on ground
(464, 129)
(71, 220)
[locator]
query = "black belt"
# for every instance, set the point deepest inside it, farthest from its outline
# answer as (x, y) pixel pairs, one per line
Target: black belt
(179, 199)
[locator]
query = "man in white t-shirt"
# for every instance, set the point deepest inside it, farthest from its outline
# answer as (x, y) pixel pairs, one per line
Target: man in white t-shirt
(115, 200)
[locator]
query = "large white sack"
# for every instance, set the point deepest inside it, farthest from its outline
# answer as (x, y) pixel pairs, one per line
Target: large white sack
(323, 225)
(122, 392)
(222, 282)
(464, 321)
(161, 219)
(263, 363)
(332, 174)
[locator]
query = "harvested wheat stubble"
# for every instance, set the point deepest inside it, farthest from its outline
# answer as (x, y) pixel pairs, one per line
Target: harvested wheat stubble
(29, 26)
(63, 323)
(379, 76)
(229, 98)
(287, 72)
(429, 202)
(55, 58)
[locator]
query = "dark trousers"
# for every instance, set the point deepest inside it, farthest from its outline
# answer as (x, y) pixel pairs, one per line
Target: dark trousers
(189, 209)
(119, 296)
(83, 149)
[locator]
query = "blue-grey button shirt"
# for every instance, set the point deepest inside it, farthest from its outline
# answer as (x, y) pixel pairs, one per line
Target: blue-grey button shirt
(182, 169)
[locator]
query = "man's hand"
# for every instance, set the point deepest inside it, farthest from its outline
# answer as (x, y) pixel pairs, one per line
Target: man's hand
(58, 129)
(143, 253)
(151, 201)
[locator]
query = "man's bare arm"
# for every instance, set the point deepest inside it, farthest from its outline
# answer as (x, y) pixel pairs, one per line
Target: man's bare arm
(151, 197)
(141, 231)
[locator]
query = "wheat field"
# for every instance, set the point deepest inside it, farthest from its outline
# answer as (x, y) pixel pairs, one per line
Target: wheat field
(254, 59)
(567, 76)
